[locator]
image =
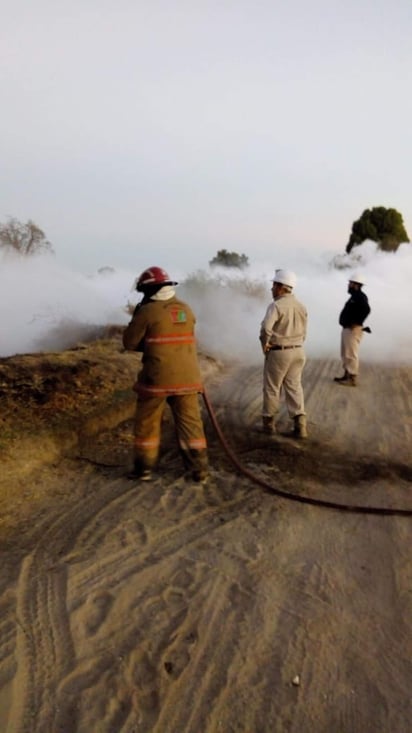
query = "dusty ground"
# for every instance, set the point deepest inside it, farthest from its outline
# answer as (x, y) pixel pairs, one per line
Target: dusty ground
(176, 608)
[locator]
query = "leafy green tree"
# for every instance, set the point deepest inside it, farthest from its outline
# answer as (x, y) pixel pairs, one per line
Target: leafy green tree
(26, 239)
(381, 225)
(223, 258)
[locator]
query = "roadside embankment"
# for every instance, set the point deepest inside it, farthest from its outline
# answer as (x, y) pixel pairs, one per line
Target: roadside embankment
(53, 402)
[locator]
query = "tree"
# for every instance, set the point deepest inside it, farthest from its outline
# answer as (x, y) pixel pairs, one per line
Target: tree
(106, 270)
(381, 225)
(26, 239)
(229, 259)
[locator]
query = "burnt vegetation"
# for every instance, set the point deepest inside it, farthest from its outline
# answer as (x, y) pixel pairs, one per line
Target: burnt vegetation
(25, 239)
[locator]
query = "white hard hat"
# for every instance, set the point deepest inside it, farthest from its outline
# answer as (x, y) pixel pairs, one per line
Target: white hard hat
(285, 277)
(356, 277)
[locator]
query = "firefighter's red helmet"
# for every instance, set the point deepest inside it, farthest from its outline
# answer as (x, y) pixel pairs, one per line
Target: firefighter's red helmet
(153, 276)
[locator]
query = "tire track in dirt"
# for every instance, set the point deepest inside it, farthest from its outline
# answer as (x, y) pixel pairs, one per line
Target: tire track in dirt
(43, 644)
(207, 676)
(174, 607)
(352, 444)
(41, 587)
(120, 564)
(355, 620)
(162, 606)
(7, 636)
(41, 626)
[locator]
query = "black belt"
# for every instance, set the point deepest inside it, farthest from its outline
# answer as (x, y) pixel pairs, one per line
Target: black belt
(280, 348)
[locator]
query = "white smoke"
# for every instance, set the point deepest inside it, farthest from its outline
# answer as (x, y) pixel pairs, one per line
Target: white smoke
(46, 307)
(229, 316)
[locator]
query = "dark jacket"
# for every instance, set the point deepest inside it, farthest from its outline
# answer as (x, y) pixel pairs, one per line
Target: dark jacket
(355, 310)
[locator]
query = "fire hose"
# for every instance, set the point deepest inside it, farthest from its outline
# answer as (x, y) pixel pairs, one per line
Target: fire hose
(300, 498)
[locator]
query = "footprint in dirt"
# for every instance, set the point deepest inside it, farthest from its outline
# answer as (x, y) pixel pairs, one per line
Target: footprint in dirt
(177, 656)
(95, 611)
(142, 676)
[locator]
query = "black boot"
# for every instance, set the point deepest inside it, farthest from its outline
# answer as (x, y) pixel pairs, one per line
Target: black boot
(342, 379)
(300, 429)
(140, 472)
(268, 424)
(350, 381)
(196, 464)
(200, 477)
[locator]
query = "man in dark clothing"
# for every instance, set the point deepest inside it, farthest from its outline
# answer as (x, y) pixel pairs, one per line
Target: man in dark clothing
(352, 317)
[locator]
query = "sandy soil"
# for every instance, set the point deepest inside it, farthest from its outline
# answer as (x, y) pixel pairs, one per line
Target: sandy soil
(171, 607)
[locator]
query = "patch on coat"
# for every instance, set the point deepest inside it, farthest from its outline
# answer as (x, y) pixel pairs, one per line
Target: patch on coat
(178, 315)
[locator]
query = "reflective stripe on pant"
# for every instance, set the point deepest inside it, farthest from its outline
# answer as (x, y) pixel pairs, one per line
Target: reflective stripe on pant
(188, 424)
(349, 348)
(283, 369)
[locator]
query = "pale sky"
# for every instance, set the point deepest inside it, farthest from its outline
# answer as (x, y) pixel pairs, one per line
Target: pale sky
(141, 132)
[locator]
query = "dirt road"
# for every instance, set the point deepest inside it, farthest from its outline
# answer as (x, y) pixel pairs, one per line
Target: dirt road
(176, 608)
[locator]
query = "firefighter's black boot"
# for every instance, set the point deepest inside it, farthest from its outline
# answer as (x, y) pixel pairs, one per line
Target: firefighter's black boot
(140, 472)
(196, 464)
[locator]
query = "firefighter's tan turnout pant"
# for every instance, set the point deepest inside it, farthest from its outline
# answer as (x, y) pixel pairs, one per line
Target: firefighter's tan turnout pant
(188, 425)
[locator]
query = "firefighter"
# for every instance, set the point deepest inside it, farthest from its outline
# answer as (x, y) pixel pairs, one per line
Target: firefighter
(282, 334)
(352, 317)
(162, 327)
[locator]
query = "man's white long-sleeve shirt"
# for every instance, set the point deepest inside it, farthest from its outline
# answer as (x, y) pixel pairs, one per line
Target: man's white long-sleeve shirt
(285, 322)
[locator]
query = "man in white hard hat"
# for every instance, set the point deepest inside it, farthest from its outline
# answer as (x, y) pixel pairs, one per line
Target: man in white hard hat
(352, 317)
(282, 334)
